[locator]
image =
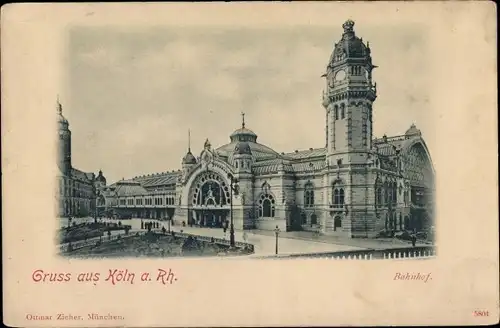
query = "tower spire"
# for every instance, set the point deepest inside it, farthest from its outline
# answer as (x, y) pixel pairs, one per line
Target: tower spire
(242, 119)
(59, 106)
(189, 140)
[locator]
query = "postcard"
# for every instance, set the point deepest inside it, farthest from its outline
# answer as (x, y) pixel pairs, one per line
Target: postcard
(249, 164)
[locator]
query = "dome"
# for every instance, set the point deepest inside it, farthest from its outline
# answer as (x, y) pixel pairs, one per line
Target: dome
(258, 151)
(101, 177)
(412, 131)
(243, 134)
(242, 148)
(189, 158)
(350, 46)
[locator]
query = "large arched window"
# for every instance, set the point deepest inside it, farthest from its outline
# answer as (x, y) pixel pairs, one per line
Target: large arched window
(338, 195)
(309, 195)
(266, 206)
(210, 189)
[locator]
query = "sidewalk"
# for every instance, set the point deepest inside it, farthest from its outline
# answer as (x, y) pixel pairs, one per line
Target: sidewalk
(370, 243)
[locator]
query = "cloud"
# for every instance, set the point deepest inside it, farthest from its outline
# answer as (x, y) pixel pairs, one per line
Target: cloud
(101, 57)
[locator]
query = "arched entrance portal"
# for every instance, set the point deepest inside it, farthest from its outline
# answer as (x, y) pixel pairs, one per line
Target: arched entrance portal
(209, 199)
(420, 173)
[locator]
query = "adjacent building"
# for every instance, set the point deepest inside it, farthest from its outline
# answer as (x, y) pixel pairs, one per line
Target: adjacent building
(355, 185)
(75, 188)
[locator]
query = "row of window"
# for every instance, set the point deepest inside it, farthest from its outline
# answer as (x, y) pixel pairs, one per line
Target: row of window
(386, 195)
(356, 70)
(244, 164)
(147, 201)
(338, 196)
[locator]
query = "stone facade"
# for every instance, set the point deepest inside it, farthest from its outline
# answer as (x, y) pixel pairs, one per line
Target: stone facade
(75, 189)
(355, 186)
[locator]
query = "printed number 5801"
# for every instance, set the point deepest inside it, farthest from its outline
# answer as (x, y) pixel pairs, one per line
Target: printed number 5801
(480, 313)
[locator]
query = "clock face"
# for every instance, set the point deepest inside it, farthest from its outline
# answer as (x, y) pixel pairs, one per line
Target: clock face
(340, 75)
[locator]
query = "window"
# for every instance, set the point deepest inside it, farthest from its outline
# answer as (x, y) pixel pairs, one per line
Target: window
(338, 197)
(266, 206)
(379, 197)
(303, 217)
(336, 112)
(337, 223)
(309, 195)
(342, 111)
(394, 193)
(314, 219)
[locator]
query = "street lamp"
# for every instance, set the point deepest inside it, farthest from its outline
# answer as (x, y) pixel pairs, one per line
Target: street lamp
(233, 187)
(276, 232)
(95, 209)
(311, 201)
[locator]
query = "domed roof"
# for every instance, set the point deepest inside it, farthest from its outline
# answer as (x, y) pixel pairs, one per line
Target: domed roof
(101, 177)
(258, 151)
(242, 148)
(189, 158)
(412, 131)
(350, 46)
(243, 132)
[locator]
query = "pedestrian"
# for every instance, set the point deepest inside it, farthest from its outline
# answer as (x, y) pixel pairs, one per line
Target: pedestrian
(245, 236)
(414, 238)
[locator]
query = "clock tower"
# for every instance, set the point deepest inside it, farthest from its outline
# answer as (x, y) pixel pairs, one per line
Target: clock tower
(348, 99)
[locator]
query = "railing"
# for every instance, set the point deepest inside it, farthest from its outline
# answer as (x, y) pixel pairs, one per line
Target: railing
(420, 252)
(63, 248)
(216, 240)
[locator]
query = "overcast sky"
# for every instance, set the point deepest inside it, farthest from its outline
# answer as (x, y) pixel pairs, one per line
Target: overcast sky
(132, 95)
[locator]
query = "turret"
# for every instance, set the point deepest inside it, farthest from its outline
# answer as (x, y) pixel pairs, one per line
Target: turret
(189, 160)
(64, 141)
(100, 180)
(242, 157)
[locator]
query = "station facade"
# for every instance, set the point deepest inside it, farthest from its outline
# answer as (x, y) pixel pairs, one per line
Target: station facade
(356, 185)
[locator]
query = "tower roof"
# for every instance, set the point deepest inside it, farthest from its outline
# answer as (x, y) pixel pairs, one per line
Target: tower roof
(349, 46)
(60, 118)
(412, 130)
(243, 134)
(189, 158)
(100, 177)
